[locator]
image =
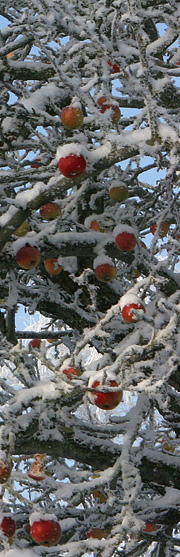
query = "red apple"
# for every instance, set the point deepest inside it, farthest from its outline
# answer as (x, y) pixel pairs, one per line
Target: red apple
(128, 314)
(71, 371)
(104, 268)
(72, 166)
(52, 267)
(28, 257)
(72, 117)
(163, 230)
(115, 67)
(150, 527)
(101, 100)
(118, 191)
(36, 471)
(97, 533)
(46, 532)
(115, 111)
(125, 237)
(36, 163)
(50, 211)
(8, 526)
(35, 343)
(104, 400)
(5, 468)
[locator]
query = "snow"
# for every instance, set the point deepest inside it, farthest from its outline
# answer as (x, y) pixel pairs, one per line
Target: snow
(39, 98)
(71, 148)
(120, 228)
(116, 184)
(18, 552)
(36, 516)
(102, 260)
(129, 298)
(103, 378)
(24, 197)
(7, 216)
(3, 455)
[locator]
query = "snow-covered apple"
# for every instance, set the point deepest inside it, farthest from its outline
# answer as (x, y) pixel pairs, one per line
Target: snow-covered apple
(45, 531)
(72, 117)
(118, 191)
(106, 399)
(125, 237)
(52, 267)
(36, 471)
(163, 230)
(28, 257)
(92, 223)
(5, 467)
(35, 343)
(71, 371)
(95, 225)
(129, 303)
(104, 268)
(114, 67)
(101, 100)
(115, 111)
(50, 211)
(97, 533)
(8, 527)
(72, 166)
(148, 528)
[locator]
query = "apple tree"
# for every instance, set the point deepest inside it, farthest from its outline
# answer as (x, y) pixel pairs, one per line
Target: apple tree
(90, 246)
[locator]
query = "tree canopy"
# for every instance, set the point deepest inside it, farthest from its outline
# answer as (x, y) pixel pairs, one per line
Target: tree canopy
(90, 243)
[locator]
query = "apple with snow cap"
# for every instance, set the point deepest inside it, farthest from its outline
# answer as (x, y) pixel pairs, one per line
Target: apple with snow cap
(28, 257)
(128, 303)
(118, 191)
(36, 471)
(7, 526)
(101, 100)
(107, 398)
(5, 467)
(163, 229)
(72, 117)
(71, 371)
(125, 237)
(97, 533)
(50, 211)
(114, 67)
(115, 111)
(71, 160)
(52, 267)
(104, 268)
(92, 223)
(45, 529)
